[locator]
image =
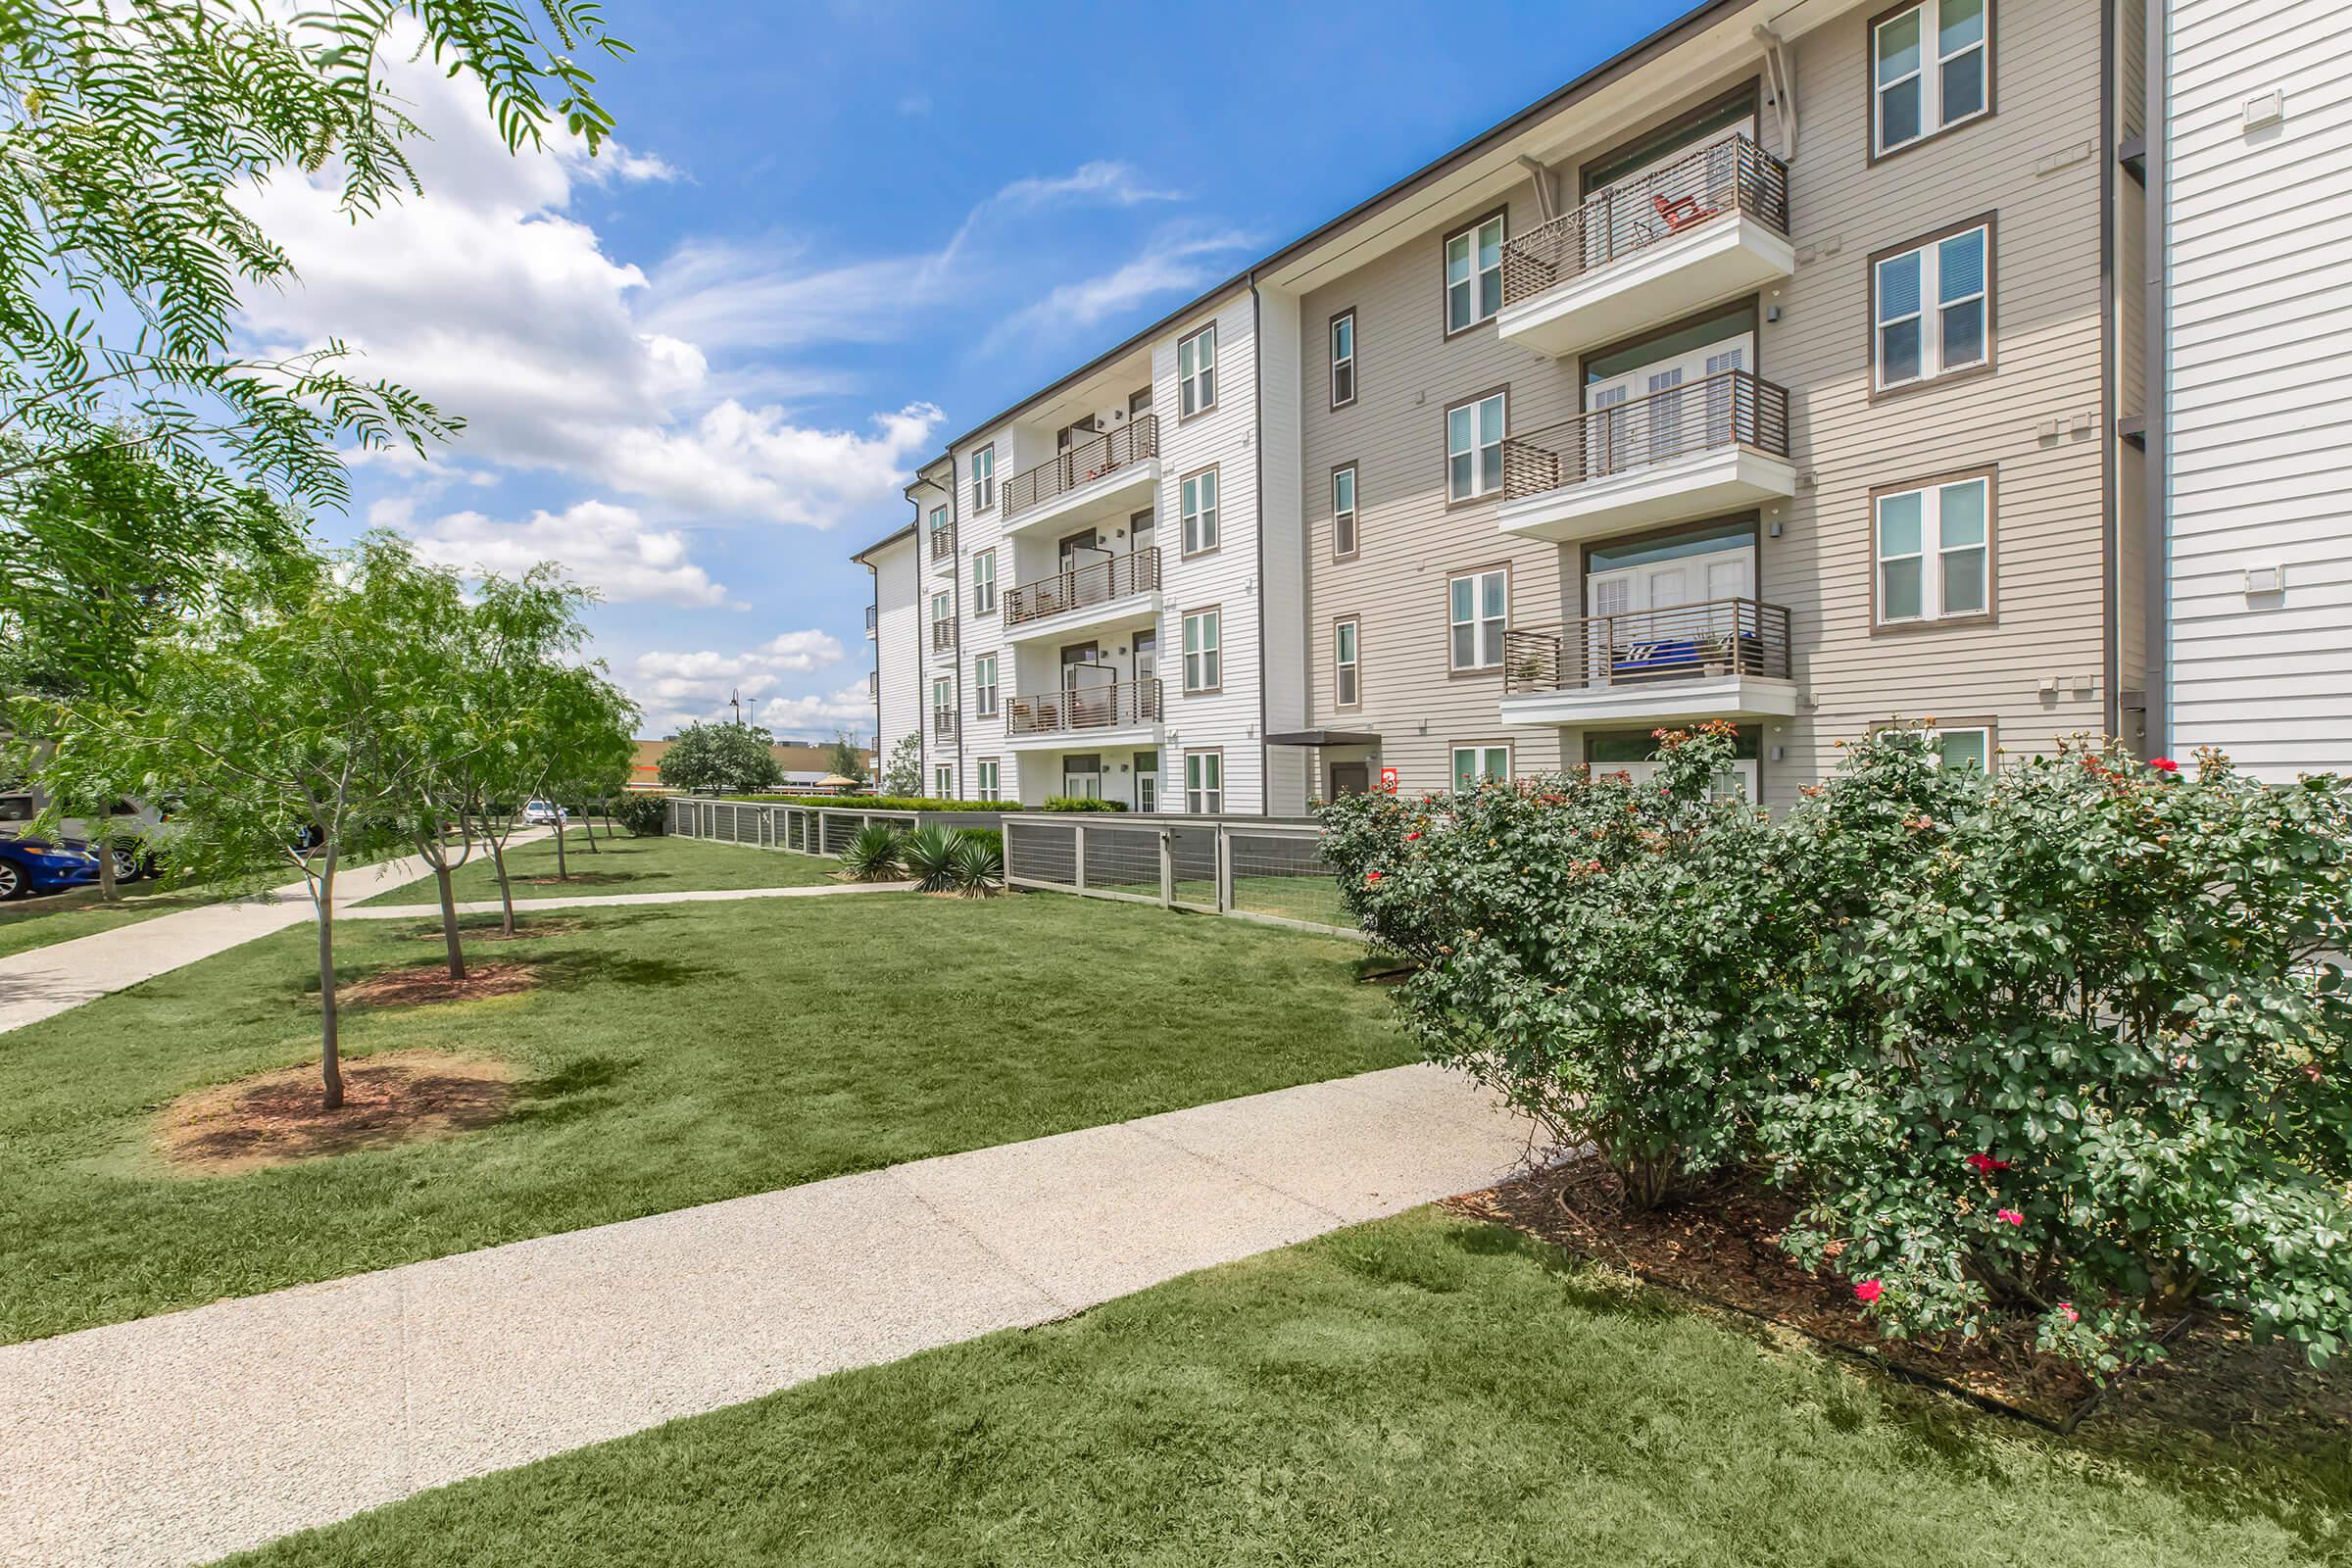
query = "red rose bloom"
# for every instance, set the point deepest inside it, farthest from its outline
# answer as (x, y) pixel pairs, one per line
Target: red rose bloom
(1868, 1291)
(2164, 764)
(2012, 1216)
(1371, 877)
(1409, 837)
(1986, 1164)
(2068, 1307)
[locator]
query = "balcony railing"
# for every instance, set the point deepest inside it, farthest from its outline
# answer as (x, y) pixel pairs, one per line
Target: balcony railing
(943, 636)
(1083, 463)
(1711, 640)
(1728, 409)
(1081, 584)
(943, 723)
(1118, 705)
(1729, 176)
(869, 621)
(943, 544)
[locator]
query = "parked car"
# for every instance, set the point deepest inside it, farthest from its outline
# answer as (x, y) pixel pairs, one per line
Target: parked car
(541, 814)
(37, 865)
(147, 825)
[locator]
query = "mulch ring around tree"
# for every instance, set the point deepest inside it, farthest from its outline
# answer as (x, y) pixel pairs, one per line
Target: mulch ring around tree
(526, 925)
(1721, 1246)
(424, 983)
(275, 1119)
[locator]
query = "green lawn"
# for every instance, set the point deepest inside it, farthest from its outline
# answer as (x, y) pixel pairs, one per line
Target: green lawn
(1315, 898)
(624, 865)
(29, 923)
(1422, 1390)
(676, 1055)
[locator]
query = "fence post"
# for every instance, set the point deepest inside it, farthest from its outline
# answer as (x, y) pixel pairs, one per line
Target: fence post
(1224, 870)
(1167, 868)
(1078, 871)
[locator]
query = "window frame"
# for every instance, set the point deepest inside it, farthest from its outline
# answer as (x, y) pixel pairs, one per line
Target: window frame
(1479, 751)
(1932, 554)
(1477, 400)
(984, 582)
(1215, 512)
(1500, 215)
(1873, 153)
(1215, 756)
(1353, 512)
(946, 711)
(943, 781)
(1186, 384)
(985, 688)
(984, 478)
(1215, 650)
(1925, 244)
(1477, 575)
(1986, 725)
(988, 779)
(1340, 361)
(1352, 664)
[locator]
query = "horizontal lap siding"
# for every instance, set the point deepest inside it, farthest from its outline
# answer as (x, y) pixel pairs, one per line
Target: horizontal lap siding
(2259, 409)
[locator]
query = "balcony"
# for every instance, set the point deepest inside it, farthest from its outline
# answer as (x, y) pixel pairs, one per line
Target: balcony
(943, 723)
(1112, 713)
(869, 621)
(1717, 445)
(943, 636)
(1718, 659)
(943, 544)
(1097, 592)
(1105, 476)
(1702, 230)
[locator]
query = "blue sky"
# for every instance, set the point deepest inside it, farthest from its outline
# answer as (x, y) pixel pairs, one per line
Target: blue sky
(699, 368)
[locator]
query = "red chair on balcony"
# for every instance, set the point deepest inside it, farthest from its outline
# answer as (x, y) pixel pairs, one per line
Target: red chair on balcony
(1679, 213)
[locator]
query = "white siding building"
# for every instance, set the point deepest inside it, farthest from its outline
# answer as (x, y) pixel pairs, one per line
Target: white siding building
(891, 622)
(2254, 175)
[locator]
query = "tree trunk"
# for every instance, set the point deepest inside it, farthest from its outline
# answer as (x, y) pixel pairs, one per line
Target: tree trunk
(330, 1061)
(449, 923)
(107, 892)
(562, 871)
(505, 889)
(588, 827)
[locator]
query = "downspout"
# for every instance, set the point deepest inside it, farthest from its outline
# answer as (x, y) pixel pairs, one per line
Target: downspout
(2157, 489)
(2111, 655)
(1258, 431)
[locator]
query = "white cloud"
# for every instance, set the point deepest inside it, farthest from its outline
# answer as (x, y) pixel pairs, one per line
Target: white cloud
(852, 709)
(607, 546)
(1172, 263)
(677, 688)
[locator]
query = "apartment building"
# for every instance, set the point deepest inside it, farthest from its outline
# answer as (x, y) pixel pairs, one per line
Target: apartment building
(2252, 333)
(1783, 368)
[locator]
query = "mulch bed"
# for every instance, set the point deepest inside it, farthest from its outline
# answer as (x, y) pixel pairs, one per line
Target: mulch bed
(430, 981)
(394, 1096)
(1720, 1245)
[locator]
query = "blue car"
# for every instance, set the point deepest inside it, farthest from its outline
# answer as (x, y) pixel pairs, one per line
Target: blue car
(34, 865)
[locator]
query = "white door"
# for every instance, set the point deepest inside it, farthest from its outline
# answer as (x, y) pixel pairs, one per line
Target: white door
(1666, 617)
(1669, 409)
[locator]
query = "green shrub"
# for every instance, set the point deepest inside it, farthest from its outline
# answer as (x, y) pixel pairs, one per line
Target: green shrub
(872, 854)
(978, 864)
(877, 802)
(1083, 803)
(929, 856)
(645, 815)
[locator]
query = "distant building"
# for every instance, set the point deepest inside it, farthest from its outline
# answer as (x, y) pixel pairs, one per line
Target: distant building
(803, 766)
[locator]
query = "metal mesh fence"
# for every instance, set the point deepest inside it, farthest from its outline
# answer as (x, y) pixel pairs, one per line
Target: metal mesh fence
(1042, 853)
(1284, 876)
(1270, 871)
(1122, 858)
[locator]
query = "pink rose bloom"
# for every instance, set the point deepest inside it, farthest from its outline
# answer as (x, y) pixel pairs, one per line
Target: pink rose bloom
(1868, 1291)
(2012, 1216)
(2068, 1307)
(1986, 1164)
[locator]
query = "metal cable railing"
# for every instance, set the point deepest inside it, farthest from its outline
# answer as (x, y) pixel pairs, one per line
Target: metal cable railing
(1084, 462)
(1116, 705)
(1730, 408)
(1732, 176)
(1081, 584)
(1712, 638)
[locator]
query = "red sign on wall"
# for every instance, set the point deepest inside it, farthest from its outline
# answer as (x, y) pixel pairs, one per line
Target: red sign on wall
(1388, 781)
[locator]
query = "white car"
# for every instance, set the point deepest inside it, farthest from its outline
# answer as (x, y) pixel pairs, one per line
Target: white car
(541, 814)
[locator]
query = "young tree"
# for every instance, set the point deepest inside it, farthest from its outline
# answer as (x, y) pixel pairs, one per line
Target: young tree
(903, 774)
(720, 756)
(846, 760)
(584, 737)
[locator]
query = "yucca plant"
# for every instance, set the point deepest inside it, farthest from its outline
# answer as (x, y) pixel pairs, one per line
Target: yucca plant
(978, 864)
(874, 853)
(929, 856)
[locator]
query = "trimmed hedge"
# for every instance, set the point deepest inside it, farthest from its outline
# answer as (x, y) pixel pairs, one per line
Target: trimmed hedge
(876, 802)
(1083, 803)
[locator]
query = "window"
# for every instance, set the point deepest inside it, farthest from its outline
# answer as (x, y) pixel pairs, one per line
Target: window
(1343, 359)
(1345, 688)
(1474, 448)
(990, 779)
(1478, 605)
(984, 477)
(943, 619)
(1934, 551)
(1203, 671)
(1965, 748)
(1931, 70)
(1473, 275)
(1205, 782)
(984, 685)
(1197, 373)
(1343, 510)
(1199, 496)
(943, 706)
(942, 542)
(1932, 306)
(1474, 766)
(943, 783)
(984, 583)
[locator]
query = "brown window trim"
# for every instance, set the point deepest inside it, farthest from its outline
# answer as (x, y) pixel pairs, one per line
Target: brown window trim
(1990, 474)
(1210, 407)
(1331, 482)
(1356, 362)
(1184, 671)
(1445, 332)
(1990, 725)
(1337, 622)
(1509, 588)
(995, 589)
(1754, 303)
(1988, 222)
(991, 449)
(1871, 156)
(996, 705)
(1486, 498)
(1752, 516)
(1183, 479)
(1184, 775)
(1509, 746)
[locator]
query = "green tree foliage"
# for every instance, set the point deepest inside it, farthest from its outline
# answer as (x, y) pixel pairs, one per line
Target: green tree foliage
(903, 774)
(846, 760)
(645, 813)
(732, 758)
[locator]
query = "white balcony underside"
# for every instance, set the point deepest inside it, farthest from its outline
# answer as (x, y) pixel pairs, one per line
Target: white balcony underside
(1125, 489)
(1705, 484)
(1631, 703)
(1106, 739)
(1709, 265)
(1129, 610)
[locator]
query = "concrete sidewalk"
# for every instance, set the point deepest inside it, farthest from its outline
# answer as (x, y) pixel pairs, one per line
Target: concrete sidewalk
(181, 1438)
(621, 900)
(47, 981)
